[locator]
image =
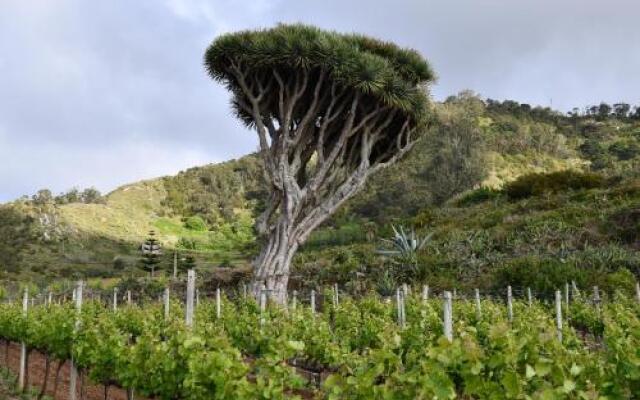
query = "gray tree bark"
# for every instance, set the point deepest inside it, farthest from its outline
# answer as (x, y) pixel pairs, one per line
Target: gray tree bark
(318, 150)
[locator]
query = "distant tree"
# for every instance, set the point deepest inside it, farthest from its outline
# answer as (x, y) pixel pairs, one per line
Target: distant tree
(330, 110)
(456, 161)
(71, 196)
(574, 113)
(636, 113)
(624, 150)
(151, 251)
(621, 110)
(17, 231)
(604, 111)
(119, 263)
(186, 263)
(91, 195)
(42, 197)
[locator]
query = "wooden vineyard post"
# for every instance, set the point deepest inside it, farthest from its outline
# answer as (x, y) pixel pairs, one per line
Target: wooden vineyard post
(263, 304)
(115, 299)
(509, 304)
(244, 290)
(191, 291)
(294, 300)
(175, 265)
(596, 297)
(313, 303)
(403, 297)
(128, 297)
(336, 300)
(398, 312)
(529, 297)
(425, 293)
(455, 294)
(448, 316)
(50, 299)
(406, 290)
(400, 307)
(575, 293)
(73, 371)
(638, 291)
(197, 297)
(559, 314)
(166, 303)
(478, 304)
(23, 346)
(218, 303)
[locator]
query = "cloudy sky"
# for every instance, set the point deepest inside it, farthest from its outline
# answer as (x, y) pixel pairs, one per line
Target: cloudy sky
(101, 93)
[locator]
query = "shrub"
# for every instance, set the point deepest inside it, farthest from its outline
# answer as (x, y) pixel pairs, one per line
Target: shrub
(543, 276)
(625, 225)
(538, 183)
(592, 149)
(226, 262)
(477, 196)
(187, 243)
(119, 263)
(624, 150)
(622, 280)
(195, 223)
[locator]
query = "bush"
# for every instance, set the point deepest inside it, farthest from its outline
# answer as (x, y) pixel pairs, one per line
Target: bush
(624, 151)
(187, 243)
(538, 183)
(195, 223)
(119, 263)
(622, 280)
(543, 276)
(477, 196)
(625, 225)
(226, 262)
(592, 149)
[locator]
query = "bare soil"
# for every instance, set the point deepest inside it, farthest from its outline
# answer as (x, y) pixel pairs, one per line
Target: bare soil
(36, 373)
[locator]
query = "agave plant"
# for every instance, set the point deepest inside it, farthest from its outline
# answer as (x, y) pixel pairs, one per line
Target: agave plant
(402, 250)
(404, 245)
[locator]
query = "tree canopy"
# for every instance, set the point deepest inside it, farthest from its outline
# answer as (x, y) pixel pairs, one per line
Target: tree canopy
(330, 109)
(373, 67)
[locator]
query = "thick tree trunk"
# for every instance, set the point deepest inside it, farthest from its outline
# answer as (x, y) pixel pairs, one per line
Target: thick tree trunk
(272, 267)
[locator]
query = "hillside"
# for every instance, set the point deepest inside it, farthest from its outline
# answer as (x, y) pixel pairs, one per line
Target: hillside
(208, 211)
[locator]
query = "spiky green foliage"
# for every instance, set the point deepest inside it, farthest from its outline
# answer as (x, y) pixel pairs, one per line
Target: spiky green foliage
(375, 68)
(330, 110)
(151, 252)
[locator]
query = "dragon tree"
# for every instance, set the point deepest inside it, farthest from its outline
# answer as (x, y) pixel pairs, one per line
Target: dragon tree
(330, 109)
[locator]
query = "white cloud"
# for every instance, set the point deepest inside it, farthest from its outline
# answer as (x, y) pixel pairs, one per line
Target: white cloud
(106, 92)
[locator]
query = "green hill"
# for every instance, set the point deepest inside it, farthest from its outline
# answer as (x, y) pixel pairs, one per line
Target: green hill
(452, 184)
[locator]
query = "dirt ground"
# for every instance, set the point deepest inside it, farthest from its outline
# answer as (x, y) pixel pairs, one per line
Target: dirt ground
(36, 372)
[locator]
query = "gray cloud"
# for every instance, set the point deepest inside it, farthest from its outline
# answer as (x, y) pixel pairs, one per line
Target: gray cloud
(102, 93)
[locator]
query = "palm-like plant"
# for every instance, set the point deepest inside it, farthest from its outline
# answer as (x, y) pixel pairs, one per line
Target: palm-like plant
(404, 244)
(403, 250)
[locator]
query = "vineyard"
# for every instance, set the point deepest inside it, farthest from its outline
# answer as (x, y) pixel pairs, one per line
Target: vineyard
(331, 346)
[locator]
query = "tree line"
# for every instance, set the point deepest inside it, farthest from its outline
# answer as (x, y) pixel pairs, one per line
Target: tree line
(600, 112)
(87, 196)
